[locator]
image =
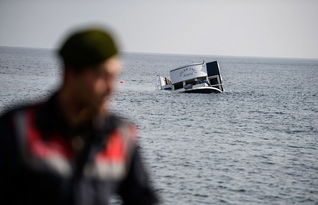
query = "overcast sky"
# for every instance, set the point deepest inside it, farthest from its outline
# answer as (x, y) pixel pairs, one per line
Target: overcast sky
(267, 28)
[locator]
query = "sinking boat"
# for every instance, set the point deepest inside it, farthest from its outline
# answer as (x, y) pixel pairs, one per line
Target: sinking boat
(195, 78)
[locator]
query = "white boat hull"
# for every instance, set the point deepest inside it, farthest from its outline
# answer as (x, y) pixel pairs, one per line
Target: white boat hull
(200, 90)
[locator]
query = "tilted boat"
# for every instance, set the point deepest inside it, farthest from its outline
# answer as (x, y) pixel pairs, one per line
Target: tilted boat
(195, 78)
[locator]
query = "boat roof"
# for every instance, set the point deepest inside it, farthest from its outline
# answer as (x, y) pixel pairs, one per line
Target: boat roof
(194, 64)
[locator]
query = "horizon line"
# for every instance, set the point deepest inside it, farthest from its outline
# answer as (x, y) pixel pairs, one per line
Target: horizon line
(185, 54)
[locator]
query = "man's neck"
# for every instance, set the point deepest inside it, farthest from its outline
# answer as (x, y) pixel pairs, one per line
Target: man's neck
(75, 113)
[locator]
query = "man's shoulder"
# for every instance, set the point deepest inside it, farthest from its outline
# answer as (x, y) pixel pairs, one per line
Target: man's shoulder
(117, 120)
(120, 117)
(8, 112)
(8, 123)
(11, 110)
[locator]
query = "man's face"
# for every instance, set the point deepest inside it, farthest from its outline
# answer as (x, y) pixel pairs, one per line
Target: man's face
(95, 86)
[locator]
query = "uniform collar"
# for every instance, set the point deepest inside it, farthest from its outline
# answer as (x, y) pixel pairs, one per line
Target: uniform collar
(52, 120)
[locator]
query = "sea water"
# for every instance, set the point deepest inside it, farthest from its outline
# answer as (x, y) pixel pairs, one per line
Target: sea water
(256, 143)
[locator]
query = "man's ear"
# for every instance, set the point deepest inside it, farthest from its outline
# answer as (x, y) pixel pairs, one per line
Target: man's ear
(68, 76)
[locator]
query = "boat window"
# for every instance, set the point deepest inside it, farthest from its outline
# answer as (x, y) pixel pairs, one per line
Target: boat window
(202, 80)
(178, 85)
(214, 80)
(193, 82)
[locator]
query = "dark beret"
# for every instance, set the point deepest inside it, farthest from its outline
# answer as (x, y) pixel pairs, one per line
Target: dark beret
(87, 47)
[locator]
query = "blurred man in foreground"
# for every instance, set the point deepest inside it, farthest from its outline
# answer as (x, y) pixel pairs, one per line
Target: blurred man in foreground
(71, 149)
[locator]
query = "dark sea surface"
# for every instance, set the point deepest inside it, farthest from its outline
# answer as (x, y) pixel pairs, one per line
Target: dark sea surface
(256, 143)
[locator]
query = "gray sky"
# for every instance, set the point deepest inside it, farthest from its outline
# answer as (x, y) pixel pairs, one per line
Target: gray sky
(267, 28)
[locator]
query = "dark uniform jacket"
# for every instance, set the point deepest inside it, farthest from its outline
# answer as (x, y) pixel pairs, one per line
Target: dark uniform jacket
(45, 161)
